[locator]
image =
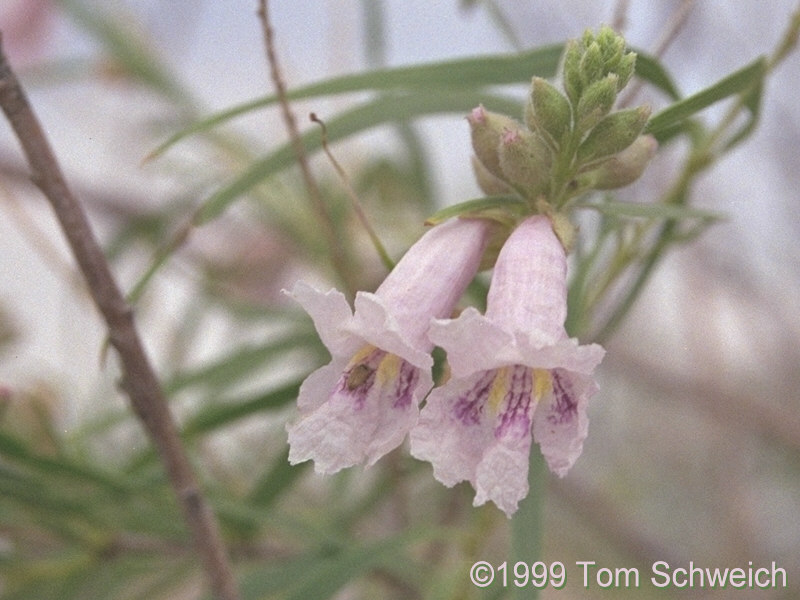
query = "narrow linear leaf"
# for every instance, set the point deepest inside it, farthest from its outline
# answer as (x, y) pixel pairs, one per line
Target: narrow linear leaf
(17, 451)
(651, 211)
(275, 480)
(386, 109)
(484, 207)
(133, 53)
(219, 415)
(466, 73)
(650, 69)
(743, 80)
(238, 364)
(461, 74)
(327, 576)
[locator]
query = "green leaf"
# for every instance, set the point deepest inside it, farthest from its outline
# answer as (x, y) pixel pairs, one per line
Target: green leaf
(240, 363)
(275, 480)
(491, 207)
(466, 73)
(650, 69)
(651, 211)
(386, 109)
(219, 415)
(329, 574)
(461, 74)
(132, 52)
(745, 80)
(17, 451)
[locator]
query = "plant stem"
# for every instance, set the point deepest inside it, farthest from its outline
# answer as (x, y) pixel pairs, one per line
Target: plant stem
(329, 230)
(527, 525)
(138, 377)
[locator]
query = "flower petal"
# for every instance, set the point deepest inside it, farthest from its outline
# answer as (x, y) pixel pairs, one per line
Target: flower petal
(528, 291)
(502, 475)
(453, 429)
(364, 415)
(473, 343)
(330, 313)
(560, 423)
(375, 324)
(432, 275)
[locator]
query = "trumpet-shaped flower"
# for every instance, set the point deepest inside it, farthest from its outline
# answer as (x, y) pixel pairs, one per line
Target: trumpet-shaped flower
(364, 402)
(516, 377)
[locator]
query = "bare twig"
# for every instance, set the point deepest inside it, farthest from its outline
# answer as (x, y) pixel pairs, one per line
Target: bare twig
(619, 20)
(351, 193)
(138, 377)
(334, 243)
(671, 31)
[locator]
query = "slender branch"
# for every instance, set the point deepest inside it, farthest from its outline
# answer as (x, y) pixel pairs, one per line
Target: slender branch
(138, 377)
(329, 230)
(354, 201)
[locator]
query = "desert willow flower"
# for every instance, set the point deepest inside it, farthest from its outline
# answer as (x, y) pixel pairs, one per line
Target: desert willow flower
(516, 377)
(364, 402)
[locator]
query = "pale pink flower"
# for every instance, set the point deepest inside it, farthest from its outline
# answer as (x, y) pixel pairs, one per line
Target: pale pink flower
(516, 377)
(364, 402)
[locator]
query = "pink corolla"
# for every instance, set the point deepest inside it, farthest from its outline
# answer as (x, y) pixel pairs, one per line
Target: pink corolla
(516, 377)
(365, 401)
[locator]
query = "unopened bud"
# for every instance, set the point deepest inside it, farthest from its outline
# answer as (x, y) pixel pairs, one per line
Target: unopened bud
(489, 184)
(622, 168)
(525, 160)
(487, 130)
(613, 134)
(547, 110)
(625, 69)
(592, 65)
(572, 70)
(596, 102)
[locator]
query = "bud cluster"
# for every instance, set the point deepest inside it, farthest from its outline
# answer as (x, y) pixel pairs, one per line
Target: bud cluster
(570, 141)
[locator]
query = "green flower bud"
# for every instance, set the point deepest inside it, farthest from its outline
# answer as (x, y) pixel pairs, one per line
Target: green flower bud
(592, 65)
(592, 58)
(487, 130)
(625, 69)
(526, 161)
(489, 184)
(596, 102)
(612, 46)
(613, 134)
(572, 70)
(548, 111)
(623, 168)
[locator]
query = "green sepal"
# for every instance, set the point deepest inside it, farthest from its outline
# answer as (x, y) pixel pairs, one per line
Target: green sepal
(506, 210)
(487, 130)
(525, 160)
(548, 111)
(596, 102)
(613, 134)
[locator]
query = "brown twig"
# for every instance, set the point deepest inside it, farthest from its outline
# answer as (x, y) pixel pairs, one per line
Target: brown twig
(337, 251)
(351, 193)
(138, 377)
(674, 25)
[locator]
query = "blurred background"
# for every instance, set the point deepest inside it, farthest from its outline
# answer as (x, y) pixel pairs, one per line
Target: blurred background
(694, 444)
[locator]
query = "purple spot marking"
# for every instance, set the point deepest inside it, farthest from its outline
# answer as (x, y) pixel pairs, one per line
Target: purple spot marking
(406, 382)
(363, 374)
(514, 418)
(565, 406)
(469, 406)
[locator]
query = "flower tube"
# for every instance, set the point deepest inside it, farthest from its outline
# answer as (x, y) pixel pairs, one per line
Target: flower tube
(516, 377)
(364, 402)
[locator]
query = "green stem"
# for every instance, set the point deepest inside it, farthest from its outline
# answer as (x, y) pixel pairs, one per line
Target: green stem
(527, 526)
